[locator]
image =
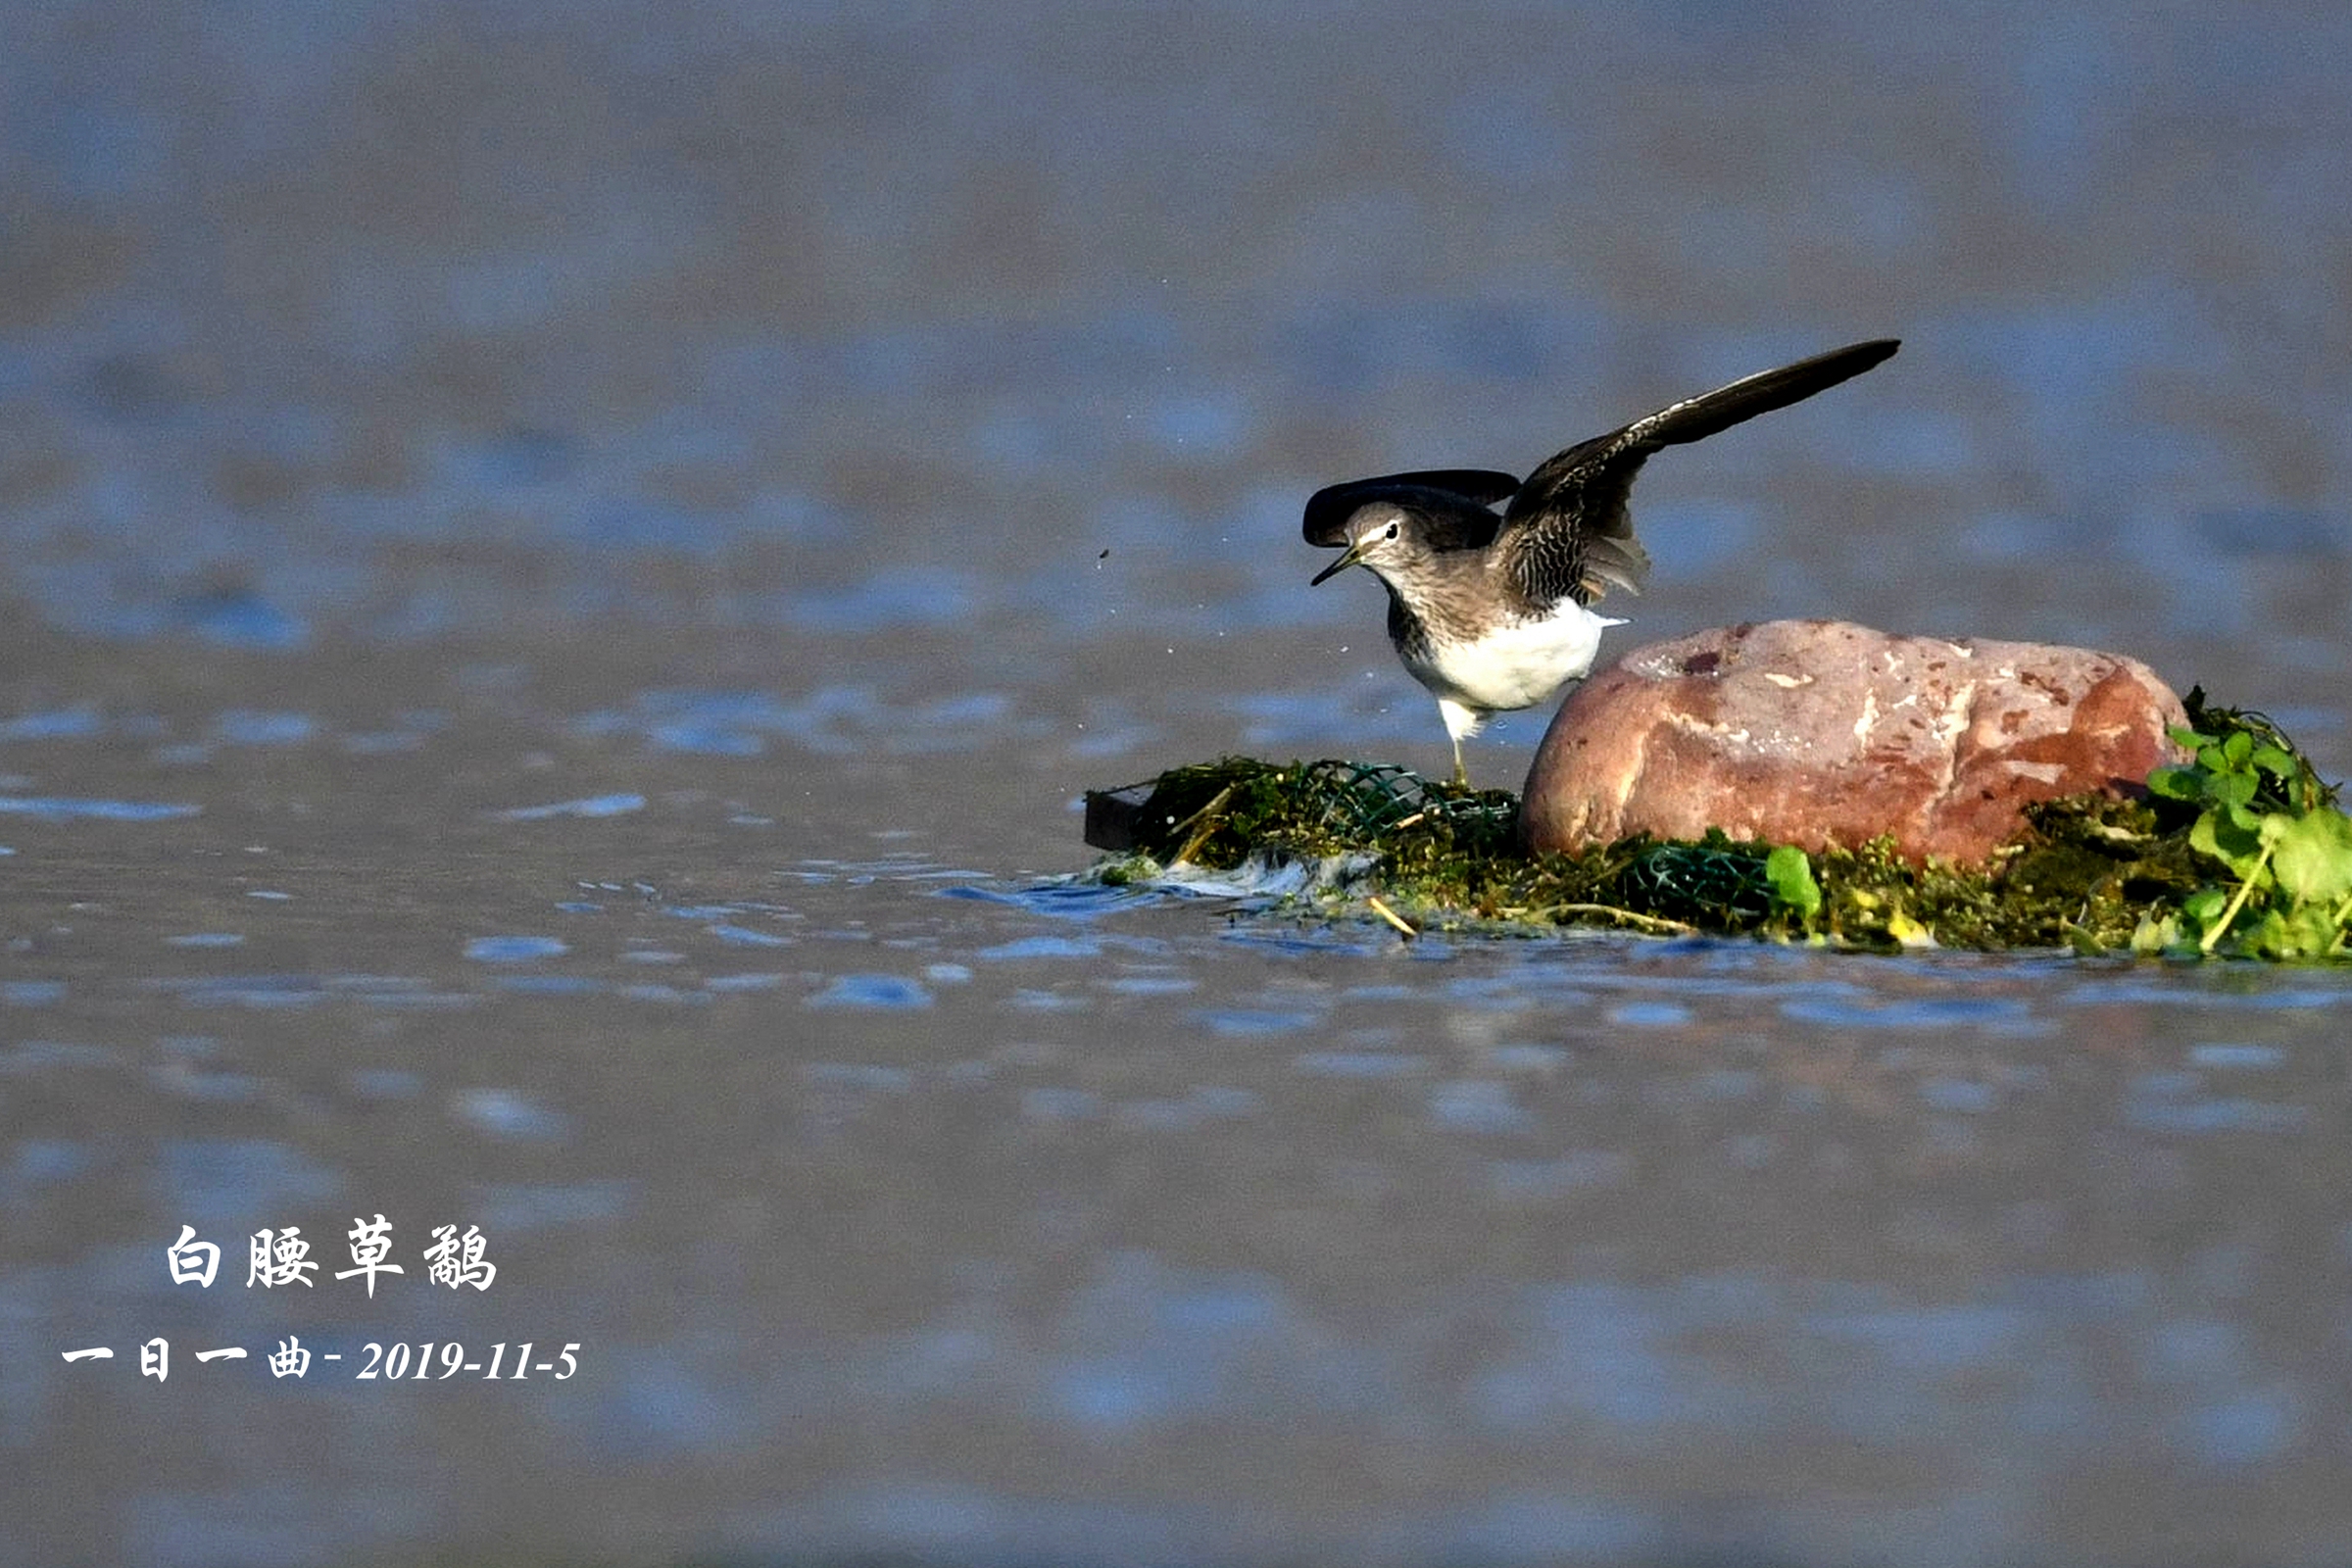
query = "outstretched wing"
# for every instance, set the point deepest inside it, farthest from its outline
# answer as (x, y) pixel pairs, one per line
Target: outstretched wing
(1566, 530)
(1455, 499)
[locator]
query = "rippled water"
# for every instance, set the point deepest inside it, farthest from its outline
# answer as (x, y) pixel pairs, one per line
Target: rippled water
(565, 576)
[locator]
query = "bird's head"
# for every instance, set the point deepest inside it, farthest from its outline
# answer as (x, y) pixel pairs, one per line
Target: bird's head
(1381, 536)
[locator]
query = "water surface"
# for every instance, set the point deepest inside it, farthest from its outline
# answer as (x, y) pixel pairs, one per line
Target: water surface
(564, 578)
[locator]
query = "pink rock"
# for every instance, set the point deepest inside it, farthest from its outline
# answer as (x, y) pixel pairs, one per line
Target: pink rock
(1820, 732)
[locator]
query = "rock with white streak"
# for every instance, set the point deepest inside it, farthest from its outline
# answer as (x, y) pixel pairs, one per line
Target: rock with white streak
(1821, 732)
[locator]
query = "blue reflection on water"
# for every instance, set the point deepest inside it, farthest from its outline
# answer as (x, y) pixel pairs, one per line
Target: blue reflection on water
(1247, 1021)
(2236, 1056)
(40, 1162)
(514, 948)
(65, 723)
(238, 618)
(655, 1402)
(509, 1113)
(1041, 948)
(2293, 535)
(1651, 1014)
(594, 806)
(1478, 1106)
(738, 936)
(550, 985)
(2006, 1015)
(59, 809)
(1070, 900)
(2248, 1427)
(880, 992)
(245, 728)
(2215, 1115)
(1359, 1063)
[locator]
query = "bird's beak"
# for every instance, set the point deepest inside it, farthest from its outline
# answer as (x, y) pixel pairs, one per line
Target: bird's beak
(1349, 558)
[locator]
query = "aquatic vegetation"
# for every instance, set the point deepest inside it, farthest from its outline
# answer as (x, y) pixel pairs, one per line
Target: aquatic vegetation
(2243, 853)
(2269, 821)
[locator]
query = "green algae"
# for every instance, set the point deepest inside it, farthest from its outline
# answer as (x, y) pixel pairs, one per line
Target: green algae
(2092, 873)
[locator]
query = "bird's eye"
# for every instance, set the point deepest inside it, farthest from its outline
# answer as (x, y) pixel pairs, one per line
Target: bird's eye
(1390, 533)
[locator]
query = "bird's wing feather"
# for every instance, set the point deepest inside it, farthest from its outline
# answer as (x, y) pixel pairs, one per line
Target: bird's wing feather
(1474, 489)
(1567, 531)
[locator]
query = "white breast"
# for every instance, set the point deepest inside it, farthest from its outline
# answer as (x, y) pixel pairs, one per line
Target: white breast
(1516, 664)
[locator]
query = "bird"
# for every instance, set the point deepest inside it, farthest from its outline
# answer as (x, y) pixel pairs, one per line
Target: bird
(1493, 611)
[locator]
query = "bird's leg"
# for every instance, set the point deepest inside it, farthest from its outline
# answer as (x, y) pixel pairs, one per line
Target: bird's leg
(1459, 722)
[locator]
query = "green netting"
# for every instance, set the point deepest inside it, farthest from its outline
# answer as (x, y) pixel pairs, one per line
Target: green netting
(1362, 800)
(2302, 792)
(1711, 884)
(1217, 814)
